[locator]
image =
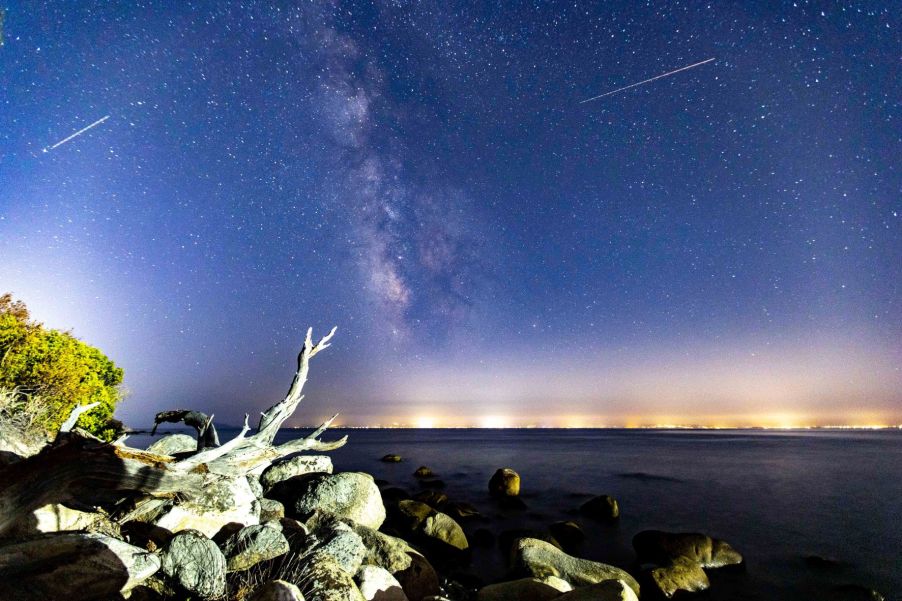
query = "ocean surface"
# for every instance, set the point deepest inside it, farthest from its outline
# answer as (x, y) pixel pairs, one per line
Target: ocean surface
(778, 497)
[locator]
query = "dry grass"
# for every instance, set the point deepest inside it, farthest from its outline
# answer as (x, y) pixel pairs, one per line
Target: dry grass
(21, 419)
(289, 567)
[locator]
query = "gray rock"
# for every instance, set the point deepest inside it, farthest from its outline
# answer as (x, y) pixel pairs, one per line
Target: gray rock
(377, 584)
(682, 575)
(256, 488)
(295, 466)
(277, 590)
(524, 589)
(325, 580)
(55, 517)
(607, 590)
(174, 443)
(505, 482)
(227, 501)
(72, 566)
(270, 509)
(662, 547)
(603, 507)
(196, 563)
(344, 547)
(253, 544)
(351, 495)
(540, 558)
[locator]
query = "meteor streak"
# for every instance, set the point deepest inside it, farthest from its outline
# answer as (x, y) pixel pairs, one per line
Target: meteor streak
(646, 81)
(78, 133)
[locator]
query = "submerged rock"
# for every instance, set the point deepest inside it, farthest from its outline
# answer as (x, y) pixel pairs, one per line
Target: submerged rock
(682, 575)
(196, 564)
(172, 444)
(433, 498)
(277, 590)
(505, 482)
(540, 558)
(253, 544)
(432, 525)
(72, 566)
(391, 458)
(602, 507)
(351, 495)
(377, 584)
(568, 533)
(295, 466)
(423, 472)
(662, 547)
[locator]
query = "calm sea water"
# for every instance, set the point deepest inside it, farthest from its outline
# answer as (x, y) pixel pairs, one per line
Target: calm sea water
(777, 497)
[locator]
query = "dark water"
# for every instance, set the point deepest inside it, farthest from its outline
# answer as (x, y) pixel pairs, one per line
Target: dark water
(777, 497)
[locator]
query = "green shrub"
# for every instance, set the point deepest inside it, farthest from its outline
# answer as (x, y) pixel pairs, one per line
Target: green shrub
(57, 371)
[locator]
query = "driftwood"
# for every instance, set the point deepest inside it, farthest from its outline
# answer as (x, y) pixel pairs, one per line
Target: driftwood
(79, 470)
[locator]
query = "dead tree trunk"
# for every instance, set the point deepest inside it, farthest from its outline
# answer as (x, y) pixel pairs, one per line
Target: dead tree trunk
(79, 469)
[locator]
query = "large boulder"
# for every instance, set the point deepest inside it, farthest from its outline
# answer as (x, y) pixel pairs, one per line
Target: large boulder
(295, 466)
(682, 575)
(569, 534)
(55, 517)
(253, 544)
(377, 584)
(349, 495)
(277, 590)
(505, 482)
(343, 546)
(196, 564)
(524, 589)
(434, 527)
(72, 566)
(660, 547)
(540, 558)
(172, 444)
(325, 580)
(602, 507)
(226, 502)
(606, 590)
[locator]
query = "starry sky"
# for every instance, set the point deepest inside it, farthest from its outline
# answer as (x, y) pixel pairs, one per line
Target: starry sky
(722, 246)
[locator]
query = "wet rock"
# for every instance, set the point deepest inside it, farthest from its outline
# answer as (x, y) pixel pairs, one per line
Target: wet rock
(253, 544)
(295, 466)
(602, 507)
(607, 590)
(72, 566)
(391, 458)
(505, 482)
(507, 538)
(351, 495)
(227, 501)
(423, 472)
(433, 525)
(433, 498)
(419, 580)
(524, 589)
(196, 564)
(539, 558)
(172, 444)
(377, 584)
(393, 494)
(568, 533)
(682, 575)
(277, 590)
(661, 547)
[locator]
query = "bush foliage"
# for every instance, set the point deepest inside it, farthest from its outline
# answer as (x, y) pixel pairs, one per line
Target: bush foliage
(57, 371)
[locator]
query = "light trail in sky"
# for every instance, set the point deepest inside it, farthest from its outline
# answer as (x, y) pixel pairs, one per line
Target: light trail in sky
(646, 81)
(78, 133)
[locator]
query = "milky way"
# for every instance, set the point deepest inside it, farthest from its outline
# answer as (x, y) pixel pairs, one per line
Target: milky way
(721, 246)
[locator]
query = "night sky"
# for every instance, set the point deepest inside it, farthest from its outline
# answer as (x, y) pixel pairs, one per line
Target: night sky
(722, 246)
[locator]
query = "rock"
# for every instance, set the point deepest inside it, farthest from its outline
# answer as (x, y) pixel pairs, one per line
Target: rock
(857, 592)
(393, 494)
(524, 589)
(423, 472)
(227, 501)
(660, 547)
(461, 510)
(256, 488)
(253, 544)
(434, 525)
(540, 558)
(350, 495)
(606, 590)
(682, 575)
(568, 533)
(507, 538)
(505, 482)
(343, 546)
(172, 444)
(295, 466)
(270, 509)
(603, 507)
(196, 564)
(277, 590)
(377, 584)
(391, 459)
(73, 566)
(419, 580)
(55, 517)
(325, 580)
(433, 498)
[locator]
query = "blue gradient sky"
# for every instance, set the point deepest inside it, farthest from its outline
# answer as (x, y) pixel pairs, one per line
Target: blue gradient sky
(723, 246)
